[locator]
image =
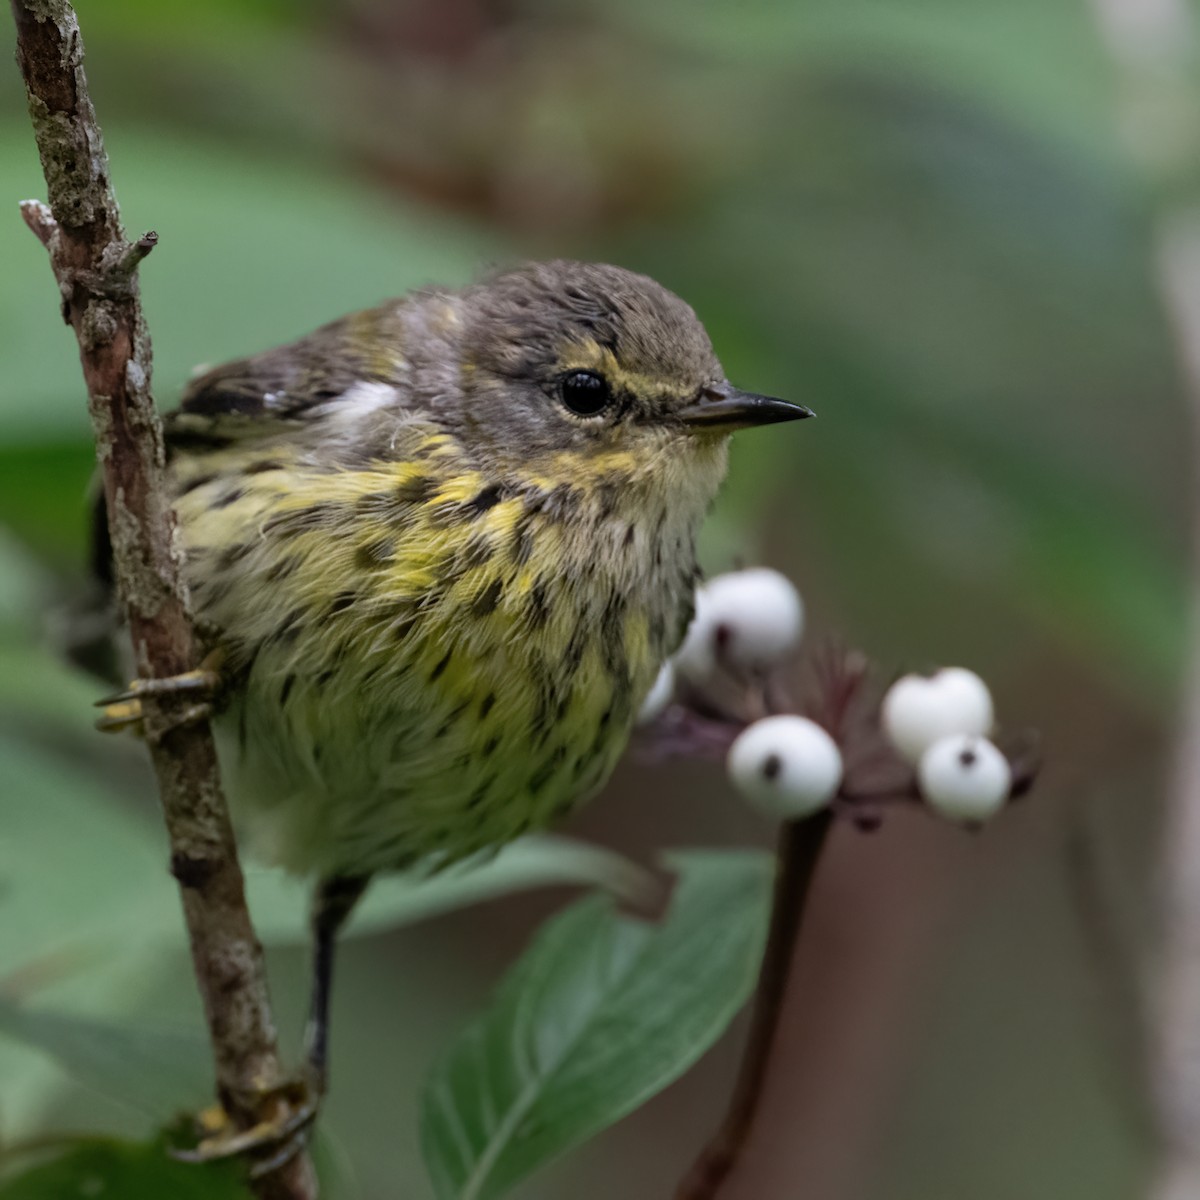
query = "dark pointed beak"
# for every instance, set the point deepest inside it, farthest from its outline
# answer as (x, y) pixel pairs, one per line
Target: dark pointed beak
(722, 409)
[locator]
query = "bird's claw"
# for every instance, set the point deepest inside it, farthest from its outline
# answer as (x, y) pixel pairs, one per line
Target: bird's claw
(124, 710)
(270, 1143)
(204, 680)
(126, 714)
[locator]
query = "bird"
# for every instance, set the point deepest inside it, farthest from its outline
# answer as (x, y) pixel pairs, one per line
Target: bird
(440, 549)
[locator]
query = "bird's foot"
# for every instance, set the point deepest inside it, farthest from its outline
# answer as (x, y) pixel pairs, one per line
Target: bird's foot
(126, 716)
(123, 711)
(291, 1108)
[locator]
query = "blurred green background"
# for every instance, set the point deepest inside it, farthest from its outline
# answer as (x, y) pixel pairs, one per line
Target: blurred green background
(910, 214)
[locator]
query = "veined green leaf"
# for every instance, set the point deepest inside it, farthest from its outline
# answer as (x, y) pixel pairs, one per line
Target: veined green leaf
(602, 1012)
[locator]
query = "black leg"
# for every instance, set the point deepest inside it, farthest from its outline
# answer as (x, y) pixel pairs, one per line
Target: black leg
(333, 902)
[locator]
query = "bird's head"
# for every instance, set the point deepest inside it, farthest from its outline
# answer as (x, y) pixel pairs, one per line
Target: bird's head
(589, 364)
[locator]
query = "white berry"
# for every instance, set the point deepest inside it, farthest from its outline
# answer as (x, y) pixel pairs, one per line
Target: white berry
(661, 693)
(747, 619)
(918, 710)
(786, 766)
(964, 777)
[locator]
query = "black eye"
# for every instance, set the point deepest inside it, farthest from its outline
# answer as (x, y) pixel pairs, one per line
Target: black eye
(585, 393)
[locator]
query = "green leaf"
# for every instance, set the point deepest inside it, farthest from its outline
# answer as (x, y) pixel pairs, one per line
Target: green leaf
(74, 867)
(279, 902)
(85, 900)
(152, 1070)
(602, 1012)
(123, 1171)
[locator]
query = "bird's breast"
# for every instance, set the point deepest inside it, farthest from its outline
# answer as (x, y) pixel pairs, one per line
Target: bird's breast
(467, 653)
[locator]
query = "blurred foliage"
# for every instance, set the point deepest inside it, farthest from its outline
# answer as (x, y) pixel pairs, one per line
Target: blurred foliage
(908, 213)
(95, 1167)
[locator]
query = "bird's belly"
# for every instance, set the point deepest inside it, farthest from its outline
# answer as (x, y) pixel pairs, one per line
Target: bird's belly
(442, 752)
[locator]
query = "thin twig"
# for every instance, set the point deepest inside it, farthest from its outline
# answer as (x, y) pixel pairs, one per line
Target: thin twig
(95, 267)
(800, 846)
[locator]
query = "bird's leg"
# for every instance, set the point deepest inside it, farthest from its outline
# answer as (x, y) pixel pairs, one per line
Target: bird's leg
(123, 710)
(333, 902)
(278, 1138)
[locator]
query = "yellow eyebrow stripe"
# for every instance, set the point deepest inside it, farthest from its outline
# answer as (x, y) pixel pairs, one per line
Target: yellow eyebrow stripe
(589, 355)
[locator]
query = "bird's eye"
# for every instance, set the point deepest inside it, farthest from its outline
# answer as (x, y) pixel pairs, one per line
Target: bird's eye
(585, 393)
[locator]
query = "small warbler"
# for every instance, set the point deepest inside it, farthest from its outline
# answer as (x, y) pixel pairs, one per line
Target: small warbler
(443, 547)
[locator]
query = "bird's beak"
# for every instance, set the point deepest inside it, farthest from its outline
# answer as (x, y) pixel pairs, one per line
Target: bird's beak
(722, 409)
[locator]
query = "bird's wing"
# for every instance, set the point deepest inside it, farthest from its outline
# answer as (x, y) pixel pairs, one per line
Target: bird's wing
(266, 394)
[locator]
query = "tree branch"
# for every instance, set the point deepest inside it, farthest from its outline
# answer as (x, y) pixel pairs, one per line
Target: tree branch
(95, 267)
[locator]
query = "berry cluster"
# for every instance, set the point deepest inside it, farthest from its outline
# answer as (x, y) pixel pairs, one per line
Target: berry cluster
(927, 740)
